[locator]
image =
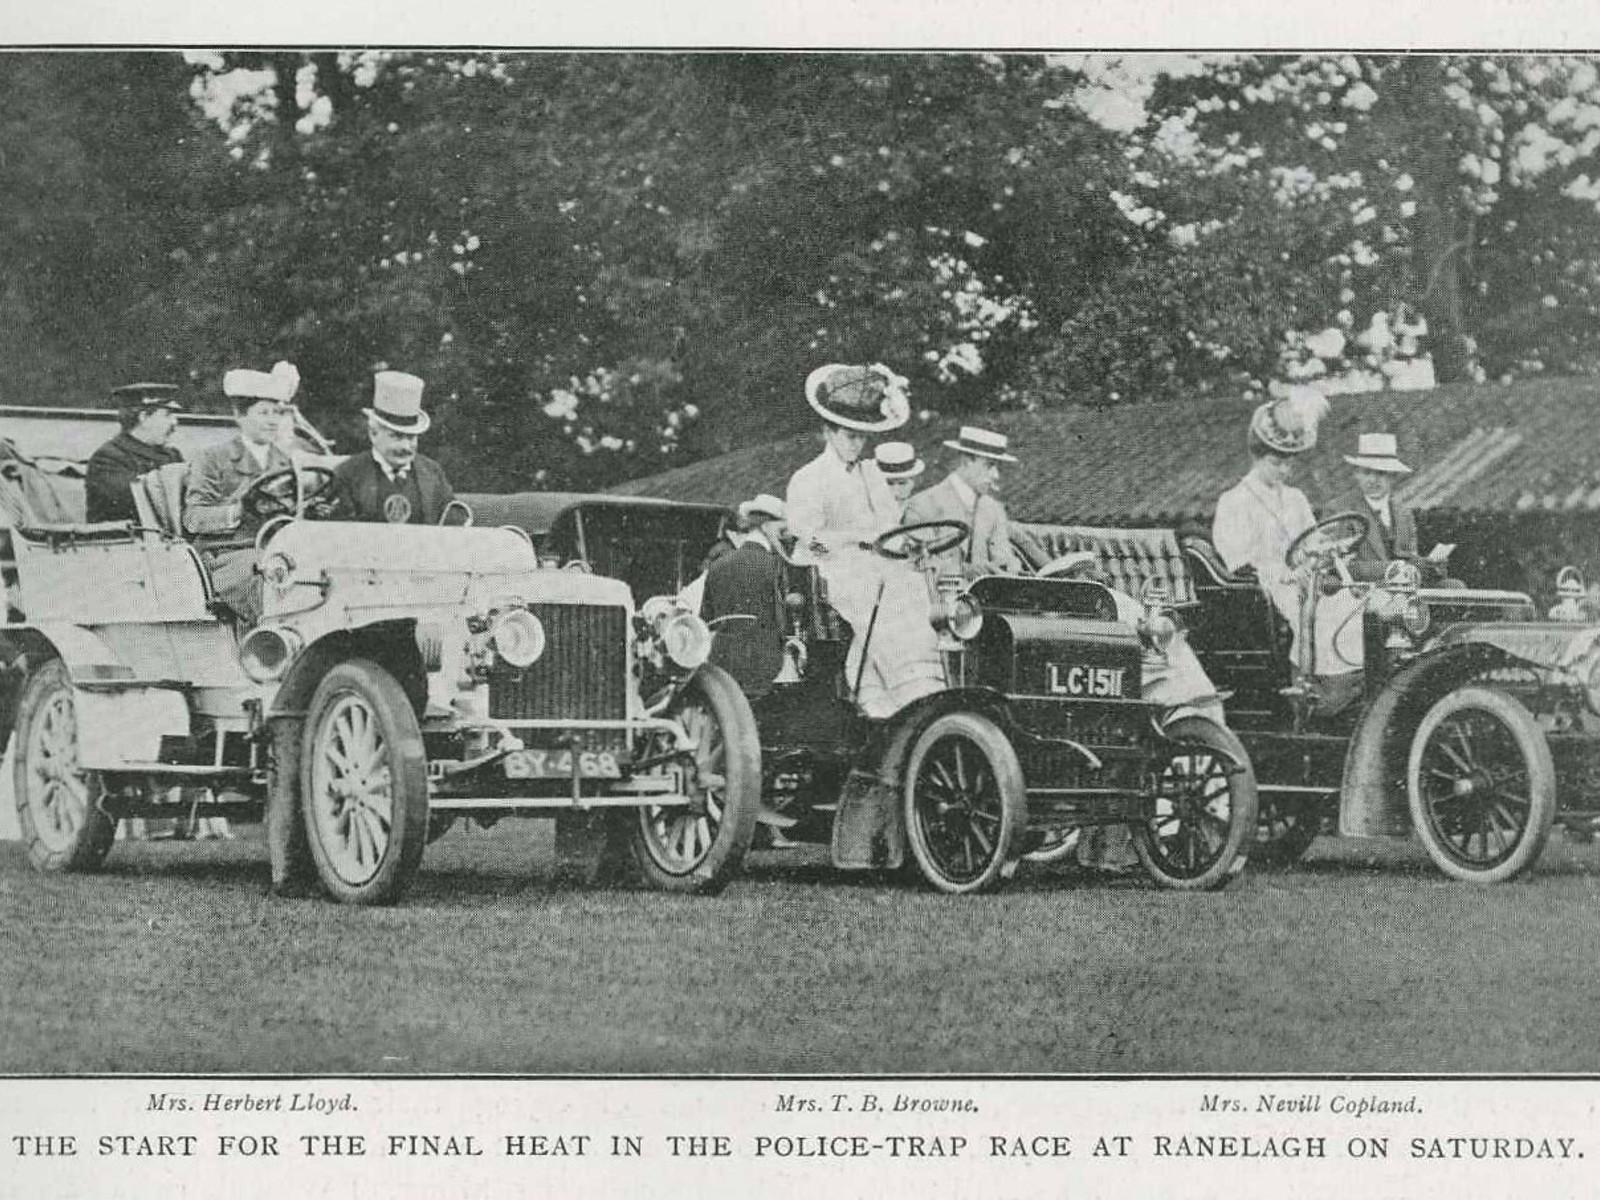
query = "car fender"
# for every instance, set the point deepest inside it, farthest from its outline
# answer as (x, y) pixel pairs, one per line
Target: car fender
(1372, 800)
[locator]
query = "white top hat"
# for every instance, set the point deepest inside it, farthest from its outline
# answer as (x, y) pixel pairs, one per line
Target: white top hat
(983, 443)
(397, 402)
(279, 384)
(765, 507)
(867, 399)
(1378, 452)
(898, 460)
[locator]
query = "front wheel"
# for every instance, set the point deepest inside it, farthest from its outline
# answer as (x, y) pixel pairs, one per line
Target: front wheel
(965, 803)
(364, 784)
(700, 846)
(1203, 822)
(1481, 785)
(58, 808)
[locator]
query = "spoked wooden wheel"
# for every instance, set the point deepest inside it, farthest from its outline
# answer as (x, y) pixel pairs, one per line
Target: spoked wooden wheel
(1481, 785)
(364, 791)
(1203, 819)
(964, 801)
(57, 800)
(698, 847)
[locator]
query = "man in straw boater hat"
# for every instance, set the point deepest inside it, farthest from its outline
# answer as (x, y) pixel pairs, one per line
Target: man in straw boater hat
(967, 495)
(1393, 530)
(393, 483)
(901, 468)
(1259, 518)
(149, 414)
(838, 503)
(221, 475)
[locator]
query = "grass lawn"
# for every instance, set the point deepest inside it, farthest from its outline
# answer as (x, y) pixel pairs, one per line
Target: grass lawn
(1361, 959)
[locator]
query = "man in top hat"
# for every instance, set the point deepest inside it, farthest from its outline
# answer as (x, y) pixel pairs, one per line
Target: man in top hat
(221, 475)
(393, 482)
(967, 495)
(1258, 519)
(837, 505)
(149, 415)
(901, 468)
(1393, 530)
(746, 583)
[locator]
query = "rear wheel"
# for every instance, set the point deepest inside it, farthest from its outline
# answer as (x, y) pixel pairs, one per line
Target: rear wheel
(1482, 785)
(364, 784)
(1204, 820)
(700, 846)
(965, 803)
(57, 800)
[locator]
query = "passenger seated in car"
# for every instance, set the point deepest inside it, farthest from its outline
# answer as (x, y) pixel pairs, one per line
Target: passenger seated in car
(221, 475)
(1260, 517)
(392, 483)
(967, 495)
(837, 506)
(149, 414)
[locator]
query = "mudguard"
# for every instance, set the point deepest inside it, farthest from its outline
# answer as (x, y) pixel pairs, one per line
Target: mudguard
(1372, 800)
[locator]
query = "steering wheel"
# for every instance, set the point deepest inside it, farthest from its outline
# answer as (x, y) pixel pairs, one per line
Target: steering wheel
(290, 492)
(921, 540)
(1330, 538)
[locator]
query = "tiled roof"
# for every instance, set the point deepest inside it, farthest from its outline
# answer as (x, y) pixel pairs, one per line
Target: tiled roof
(1475, 448)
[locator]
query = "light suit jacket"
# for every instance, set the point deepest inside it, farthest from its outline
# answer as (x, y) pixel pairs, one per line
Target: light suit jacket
(989, 550)
(216, 477)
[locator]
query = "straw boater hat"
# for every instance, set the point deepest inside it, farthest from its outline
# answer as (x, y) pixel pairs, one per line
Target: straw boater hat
(279, 384)
(147, 397)
(397, 402)
(898, 460)
(866, 399)
(1378, 452)
(982, 443)
(1288, 425)
(765, 507)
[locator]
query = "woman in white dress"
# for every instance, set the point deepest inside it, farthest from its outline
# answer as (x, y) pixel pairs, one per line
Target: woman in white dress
(837, 504)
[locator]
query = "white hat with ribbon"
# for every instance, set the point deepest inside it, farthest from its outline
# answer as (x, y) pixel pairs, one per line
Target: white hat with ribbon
(983, 443)
(397, 402)
(1378, 452)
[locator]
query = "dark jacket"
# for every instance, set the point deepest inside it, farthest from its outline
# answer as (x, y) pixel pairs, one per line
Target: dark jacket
(364, 493)
(1381, 545)
(112, 470)
(747, 580)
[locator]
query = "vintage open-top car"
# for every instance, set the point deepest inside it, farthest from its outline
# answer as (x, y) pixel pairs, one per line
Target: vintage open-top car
(1474, 723)
(1043, 728)
(400, 676)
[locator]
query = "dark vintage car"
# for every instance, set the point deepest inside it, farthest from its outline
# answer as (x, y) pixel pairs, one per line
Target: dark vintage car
(1475, 724)
(966, 782)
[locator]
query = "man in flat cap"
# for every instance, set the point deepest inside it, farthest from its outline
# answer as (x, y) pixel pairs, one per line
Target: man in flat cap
(967, 495)
(747, 584)
(149, 414)
(393, 483)
(222, 474)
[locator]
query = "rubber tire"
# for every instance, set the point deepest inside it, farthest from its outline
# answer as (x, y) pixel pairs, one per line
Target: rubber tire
(1289, 845)
(714, 690)
(1234, 852)
(408, 773)
(91, 841)
(978, 731)
(1525, 731)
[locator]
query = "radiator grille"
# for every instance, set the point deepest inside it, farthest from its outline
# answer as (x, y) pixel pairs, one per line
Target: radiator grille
(582, 674)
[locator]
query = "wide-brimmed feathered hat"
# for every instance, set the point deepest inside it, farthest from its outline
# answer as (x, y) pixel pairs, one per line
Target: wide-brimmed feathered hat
(867, 399)
(1288, 425)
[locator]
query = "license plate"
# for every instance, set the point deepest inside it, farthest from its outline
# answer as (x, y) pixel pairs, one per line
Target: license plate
(557, 764)
(1078, 680)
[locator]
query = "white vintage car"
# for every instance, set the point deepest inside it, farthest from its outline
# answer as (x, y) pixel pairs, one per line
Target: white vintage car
(401, 676)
